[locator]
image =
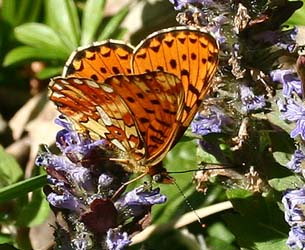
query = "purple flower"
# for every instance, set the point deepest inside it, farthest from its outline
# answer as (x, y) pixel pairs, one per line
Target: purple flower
(65, 200)
(299, 129)
(289, 79)
(296, 160)
(250, 101)
(138, 200)
(287, 39)
(105, 180)
(294, 204)
(61, 166)
(215, 27)
(291, 110)
(179, 4)
(212, 122)
(116, 240)
(73, 145)
(296, 239)
(294, 112)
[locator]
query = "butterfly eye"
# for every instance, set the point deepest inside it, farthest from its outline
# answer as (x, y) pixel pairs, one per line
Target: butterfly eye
(157, 178)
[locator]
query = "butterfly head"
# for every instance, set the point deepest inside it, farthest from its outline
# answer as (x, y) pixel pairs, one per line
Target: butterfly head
(160, 175)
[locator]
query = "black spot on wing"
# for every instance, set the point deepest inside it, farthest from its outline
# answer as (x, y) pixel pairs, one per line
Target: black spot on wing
(115, 70)
(173, 63)
(103, 70)
(94, 77)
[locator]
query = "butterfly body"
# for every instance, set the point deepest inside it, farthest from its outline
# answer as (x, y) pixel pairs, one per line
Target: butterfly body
(140, 99)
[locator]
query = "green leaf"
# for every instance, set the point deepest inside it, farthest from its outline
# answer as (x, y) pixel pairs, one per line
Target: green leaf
(91, 20)
(238, 194)
(282, 158)
(113, 24)
(253, 234)
(298, 17)
(35, 212)
(205, 157)
(8, 11)
(259, 223)
(18, 12)
(62, 17)
(21, 188)
(5, 238)
(282, 184)
(27, 11)
(24, 53)
(220, 231)
(41, 36)
(10, 171)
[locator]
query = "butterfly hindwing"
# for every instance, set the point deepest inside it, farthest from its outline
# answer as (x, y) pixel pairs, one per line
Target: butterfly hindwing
(96, 109)
(125, 110)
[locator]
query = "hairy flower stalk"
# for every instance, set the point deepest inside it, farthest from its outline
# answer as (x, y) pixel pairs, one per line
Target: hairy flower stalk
(82, 182)
(254, 47)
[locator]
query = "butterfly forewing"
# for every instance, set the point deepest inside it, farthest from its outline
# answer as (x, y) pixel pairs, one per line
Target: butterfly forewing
(189, 53)
(99, 61)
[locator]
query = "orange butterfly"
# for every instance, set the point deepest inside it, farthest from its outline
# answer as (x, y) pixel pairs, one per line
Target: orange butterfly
(140, 99)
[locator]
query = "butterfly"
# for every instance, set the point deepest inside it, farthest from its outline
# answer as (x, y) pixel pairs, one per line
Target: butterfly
(140, 99)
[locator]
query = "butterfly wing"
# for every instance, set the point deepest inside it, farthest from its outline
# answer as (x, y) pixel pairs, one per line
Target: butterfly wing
(137, 113)
(154, 99)
(96, 109)
(188, 53)
(99, 61)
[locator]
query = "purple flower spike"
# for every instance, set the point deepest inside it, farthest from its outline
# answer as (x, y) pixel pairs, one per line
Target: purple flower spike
(116, 240)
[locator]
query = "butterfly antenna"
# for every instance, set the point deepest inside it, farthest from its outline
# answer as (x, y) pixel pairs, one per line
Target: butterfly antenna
(189, 204)
(217, 166)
